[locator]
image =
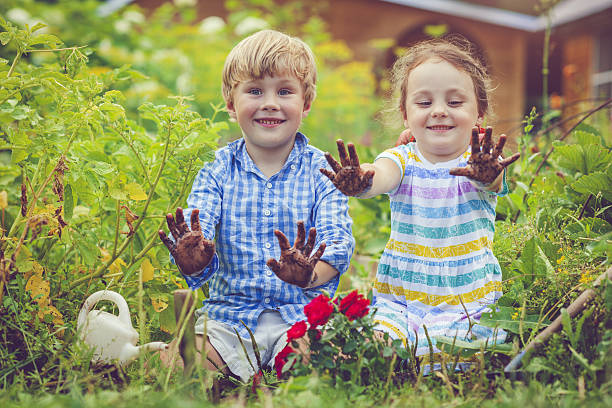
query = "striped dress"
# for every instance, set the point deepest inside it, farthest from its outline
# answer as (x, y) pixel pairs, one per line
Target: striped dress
(439, 254)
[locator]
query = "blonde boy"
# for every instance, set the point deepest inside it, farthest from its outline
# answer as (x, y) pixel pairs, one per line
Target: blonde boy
(259, 188)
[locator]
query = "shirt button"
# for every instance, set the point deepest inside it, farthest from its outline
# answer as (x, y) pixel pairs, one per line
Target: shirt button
(267, 300)
(266, 212)
(268, 245)
(293, 167)
(269, 273)
(269, 185)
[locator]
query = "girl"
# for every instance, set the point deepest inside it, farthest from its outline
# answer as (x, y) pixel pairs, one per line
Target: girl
(438, 269)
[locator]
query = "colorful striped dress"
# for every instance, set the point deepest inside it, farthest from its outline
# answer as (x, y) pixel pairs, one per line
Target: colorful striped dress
(439, 254)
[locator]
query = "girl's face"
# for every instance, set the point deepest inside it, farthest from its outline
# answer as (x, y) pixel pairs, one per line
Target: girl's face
(441, 109)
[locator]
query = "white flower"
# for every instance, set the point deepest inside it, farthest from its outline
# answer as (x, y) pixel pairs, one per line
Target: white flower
(134, 16)
(185, 3)
(250, 25)
(18, 16)
(211, 25)
(123, 26)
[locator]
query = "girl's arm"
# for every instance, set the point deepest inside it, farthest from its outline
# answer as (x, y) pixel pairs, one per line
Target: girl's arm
(363, 181)
(387, 177)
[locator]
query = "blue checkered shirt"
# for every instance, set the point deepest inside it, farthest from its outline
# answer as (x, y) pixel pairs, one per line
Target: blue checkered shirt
(240, 208)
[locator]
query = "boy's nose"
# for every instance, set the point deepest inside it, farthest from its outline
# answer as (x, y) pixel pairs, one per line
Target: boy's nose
(270, 104)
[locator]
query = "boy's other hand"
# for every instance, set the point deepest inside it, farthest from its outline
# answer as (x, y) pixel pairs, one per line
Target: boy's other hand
(191, 251)
(484, 164)
(296, 266)
(347, 176)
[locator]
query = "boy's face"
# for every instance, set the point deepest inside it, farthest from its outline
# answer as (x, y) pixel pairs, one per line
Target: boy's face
(269, 111)
(441, 109)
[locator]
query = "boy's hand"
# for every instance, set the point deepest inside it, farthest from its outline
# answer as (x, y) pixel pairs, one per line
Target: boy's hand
(296, 266)
(191, 251)
(484, 165)
(349, 178)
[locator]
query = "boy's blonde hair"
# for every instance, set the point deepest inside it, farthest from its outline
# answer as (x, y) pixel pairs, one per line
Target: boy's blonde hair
(269, 53)
(457, 52)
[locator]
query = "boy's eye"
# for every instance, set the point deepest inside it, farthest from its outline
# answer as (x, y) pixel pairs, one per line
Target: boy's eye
(423, 103)
(455, 103)
(284, 91)
(254, 91)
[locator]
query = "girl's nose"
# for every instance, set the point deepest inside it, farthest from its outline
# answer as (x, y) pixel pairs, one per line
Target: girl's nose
(438, 111)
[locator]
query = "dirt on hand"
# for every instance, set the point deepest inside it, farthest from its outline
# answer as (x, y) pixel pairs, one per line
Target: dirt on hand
(295, 265)
(347, 176)
(191, 251)
(484, 164)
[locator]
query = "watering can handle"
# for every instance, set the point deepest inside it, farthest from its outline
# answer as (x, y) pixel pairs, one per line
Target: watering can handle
(93, 299)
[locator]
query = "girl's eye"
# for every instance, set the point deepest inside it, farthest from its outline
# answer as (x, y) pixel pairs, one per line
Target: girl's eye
(255, 91)
(423, 104)
(455, 103)
(284, 91)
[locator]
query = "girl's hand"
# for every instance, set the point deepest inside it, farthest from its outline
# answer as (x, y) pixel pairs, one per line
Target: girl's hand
(349, 178)
(296, 266)
(484, 164)
(191, 251)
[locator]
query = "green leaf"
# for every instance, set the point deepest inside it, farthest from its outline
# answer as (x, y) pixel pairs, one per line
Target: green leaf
(594, 183)
(68, 202)
(18, 155)
(502, 318)
(46, 39)
(586, 138)
(582, 159)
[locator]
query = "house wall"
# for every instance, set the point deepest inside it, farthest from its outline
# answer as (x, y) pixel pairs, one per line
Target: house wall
(359, 21)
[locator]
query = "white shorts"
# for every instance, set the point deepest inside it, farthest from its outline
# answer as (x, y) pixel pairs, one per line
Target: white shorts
(270, 337)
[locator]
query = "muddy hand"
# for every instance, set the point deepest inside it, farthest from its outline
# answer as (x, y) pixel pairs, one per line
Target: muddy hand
(295, 265)
(347, 176)
(191, 251)
(484, 164)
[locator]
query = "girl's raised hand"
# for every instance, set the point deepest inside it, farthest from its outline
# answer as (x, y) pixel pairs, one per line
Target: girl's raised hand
(484, 164)
(295, 265)
(191, 251)
(347, 176)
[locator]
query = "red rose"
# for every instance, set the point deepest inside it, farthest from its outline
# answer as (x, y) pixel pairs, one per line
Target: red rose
(318, 311)
(281, 359)
(354, 305)
(296, 331)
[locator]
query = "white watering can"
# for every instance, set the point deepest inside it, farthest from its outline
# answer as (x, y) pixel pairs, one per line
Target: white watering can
(112, 337)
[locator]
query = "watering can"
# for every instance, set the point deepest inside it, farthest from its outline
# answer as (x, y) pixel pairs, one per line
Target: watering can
(111, 336)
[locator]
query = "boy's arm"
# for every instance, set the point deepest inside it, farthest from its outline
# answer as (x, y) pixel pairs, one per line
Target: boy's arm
(205, 201)
(484, 166)
(362, 181)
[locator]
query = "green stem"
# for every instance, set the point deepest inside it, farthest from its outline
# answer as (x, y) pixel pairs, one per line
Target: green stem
(14, 64)
(116, 229)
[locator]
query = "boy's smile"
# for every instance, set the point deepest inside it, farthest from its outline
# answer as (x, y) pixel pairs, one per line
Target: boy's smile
(269, 111)
(441, 109)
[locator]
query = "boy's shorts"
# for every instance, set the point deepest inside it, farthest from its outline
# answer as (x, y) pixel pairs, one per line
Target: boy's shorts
(270, 337)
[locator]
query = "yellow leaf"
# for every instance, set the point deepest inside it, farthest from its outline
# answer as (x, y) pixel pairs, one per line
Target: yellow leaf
(3, 200)
(38, 287)
(159, 303)
(56, 315)
(147, 270)
(135, 191)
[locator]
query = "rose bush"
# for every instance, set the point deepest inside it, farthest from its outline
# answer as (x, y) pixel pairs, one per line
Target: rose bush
(340, 343)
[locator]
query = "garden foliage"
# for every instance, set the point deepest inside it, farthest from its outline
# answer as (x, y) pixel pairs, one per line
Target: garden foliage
(106, 118)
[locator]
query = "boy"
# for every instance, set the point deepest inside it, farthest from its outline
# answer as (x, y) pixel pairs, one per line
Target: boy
(263, 185)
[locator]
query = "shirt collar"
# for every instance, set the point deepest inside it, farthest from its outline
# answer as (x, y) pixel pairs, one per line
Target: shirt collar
(238, 149)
